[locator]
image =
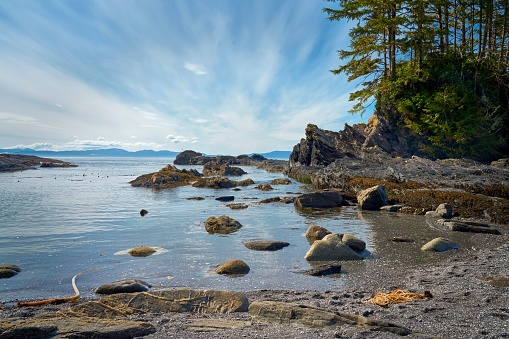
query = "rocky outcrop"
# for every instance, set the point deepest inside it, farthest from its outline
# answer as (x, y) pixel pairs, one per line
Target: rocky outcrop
(469, 226)
(222, 225)
(168, 176)
(195, 158)
(322, 147)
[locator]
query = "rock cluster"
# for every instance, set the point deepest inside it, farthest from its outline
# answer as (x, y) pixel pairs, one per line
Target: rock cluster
(168, 176)
(336, 247)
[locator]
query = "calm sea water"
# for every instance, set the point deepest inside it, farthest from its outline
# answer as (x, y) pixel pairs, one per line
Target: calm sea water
(55, 223)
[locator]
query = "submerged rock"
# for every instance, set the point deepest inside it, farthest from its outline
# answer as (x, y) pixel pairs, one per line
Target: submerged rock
(9, 270)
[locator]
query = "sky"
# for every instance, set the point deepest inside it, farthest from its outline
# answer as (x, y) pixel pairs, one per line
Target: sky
(217, 77)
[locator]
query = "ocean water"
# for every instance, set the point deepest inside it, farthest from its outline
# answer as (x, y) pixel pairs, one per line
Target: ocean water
(57, 222)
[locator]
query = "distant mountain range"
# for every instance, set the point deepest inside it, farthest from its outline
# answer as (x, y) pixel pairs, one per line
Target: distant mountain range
(117, 152)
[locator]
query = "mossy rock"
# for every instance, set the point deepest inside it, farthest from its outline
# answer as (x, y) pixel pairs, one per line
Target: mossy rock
(142, 251)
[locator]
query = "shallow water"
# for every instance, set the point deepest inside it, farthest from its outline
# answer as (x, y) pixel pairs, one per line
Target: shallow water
(56, 222)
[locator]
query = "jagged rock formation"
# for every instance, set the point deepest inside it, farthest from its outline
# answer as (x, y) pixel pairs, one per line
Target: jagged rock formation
(322, 147)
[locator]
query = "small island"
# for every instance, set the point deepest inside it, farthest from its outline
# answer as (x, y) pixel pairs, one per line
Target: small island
(20, 162)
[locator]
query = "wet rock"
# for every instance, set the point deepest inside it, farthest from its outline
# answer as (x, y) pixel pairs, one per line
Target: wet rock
(196, 198)
(440, 245)
(265, 187)
(316, 232)
(314, 317)
(142, 251)
(123, 286)
(270, 200)
(353, 242)
(222, 225)
(9, 270)
(233, 267)
(331, 248)
(323, 270)
(281, 181)
(226, 198)
(372, 198)
(143, 212)
(324, 199)
(266, 245)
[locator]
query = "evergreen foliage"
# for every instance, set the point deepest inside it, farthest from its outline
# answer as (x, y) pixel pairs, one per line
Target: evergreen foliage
(438, 67)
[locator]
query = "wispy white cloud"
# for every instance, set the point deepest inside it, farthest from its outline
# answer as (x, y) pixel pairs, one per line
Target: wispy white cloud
(195, 68)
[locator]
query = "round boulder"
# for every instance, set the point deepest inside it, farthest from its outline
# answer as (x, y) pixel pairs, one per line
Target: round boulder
(222, 225)
(355, 243)
(9, 270)
(233, 267)
(331, 248)
(440, 245)
(316, 232)
(123, 286)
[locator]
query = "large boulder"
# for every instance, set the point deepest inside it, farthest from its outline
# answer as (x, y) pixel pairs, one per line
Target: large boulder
(222, 225)
(372, 198)
(331, 248)
(324, 199)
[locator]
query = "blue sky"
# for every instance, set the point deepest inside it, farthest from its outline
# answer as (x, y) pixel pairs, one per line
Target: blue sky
(223, 76)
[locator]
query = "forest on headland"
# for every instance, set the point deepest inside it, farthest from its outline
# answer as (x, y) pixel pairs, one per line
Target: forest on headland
(438, 67)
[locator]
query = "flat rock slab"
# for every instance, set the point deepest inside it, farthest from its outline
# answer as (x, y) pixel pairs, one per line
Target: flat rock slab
(468, 226)
(309, 316)
(266, 245)
(179, 300)
(73, 327)
(323, 199)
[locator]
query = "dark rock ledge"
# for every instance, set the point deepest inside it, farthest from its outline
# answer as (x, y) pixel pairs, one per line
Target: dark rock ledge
(19, 162)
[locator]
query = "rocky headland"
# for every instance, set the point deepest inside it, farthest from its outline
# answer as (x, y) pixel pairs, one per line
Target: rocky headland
(19, 162)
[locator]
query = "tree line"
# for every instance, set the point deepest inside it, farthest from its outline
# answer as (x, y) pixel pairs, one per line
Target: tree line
(439, 67)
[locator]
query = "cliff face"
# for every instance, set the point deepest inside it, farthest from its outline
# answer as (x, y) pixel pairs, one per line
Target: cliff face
(321, 147)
